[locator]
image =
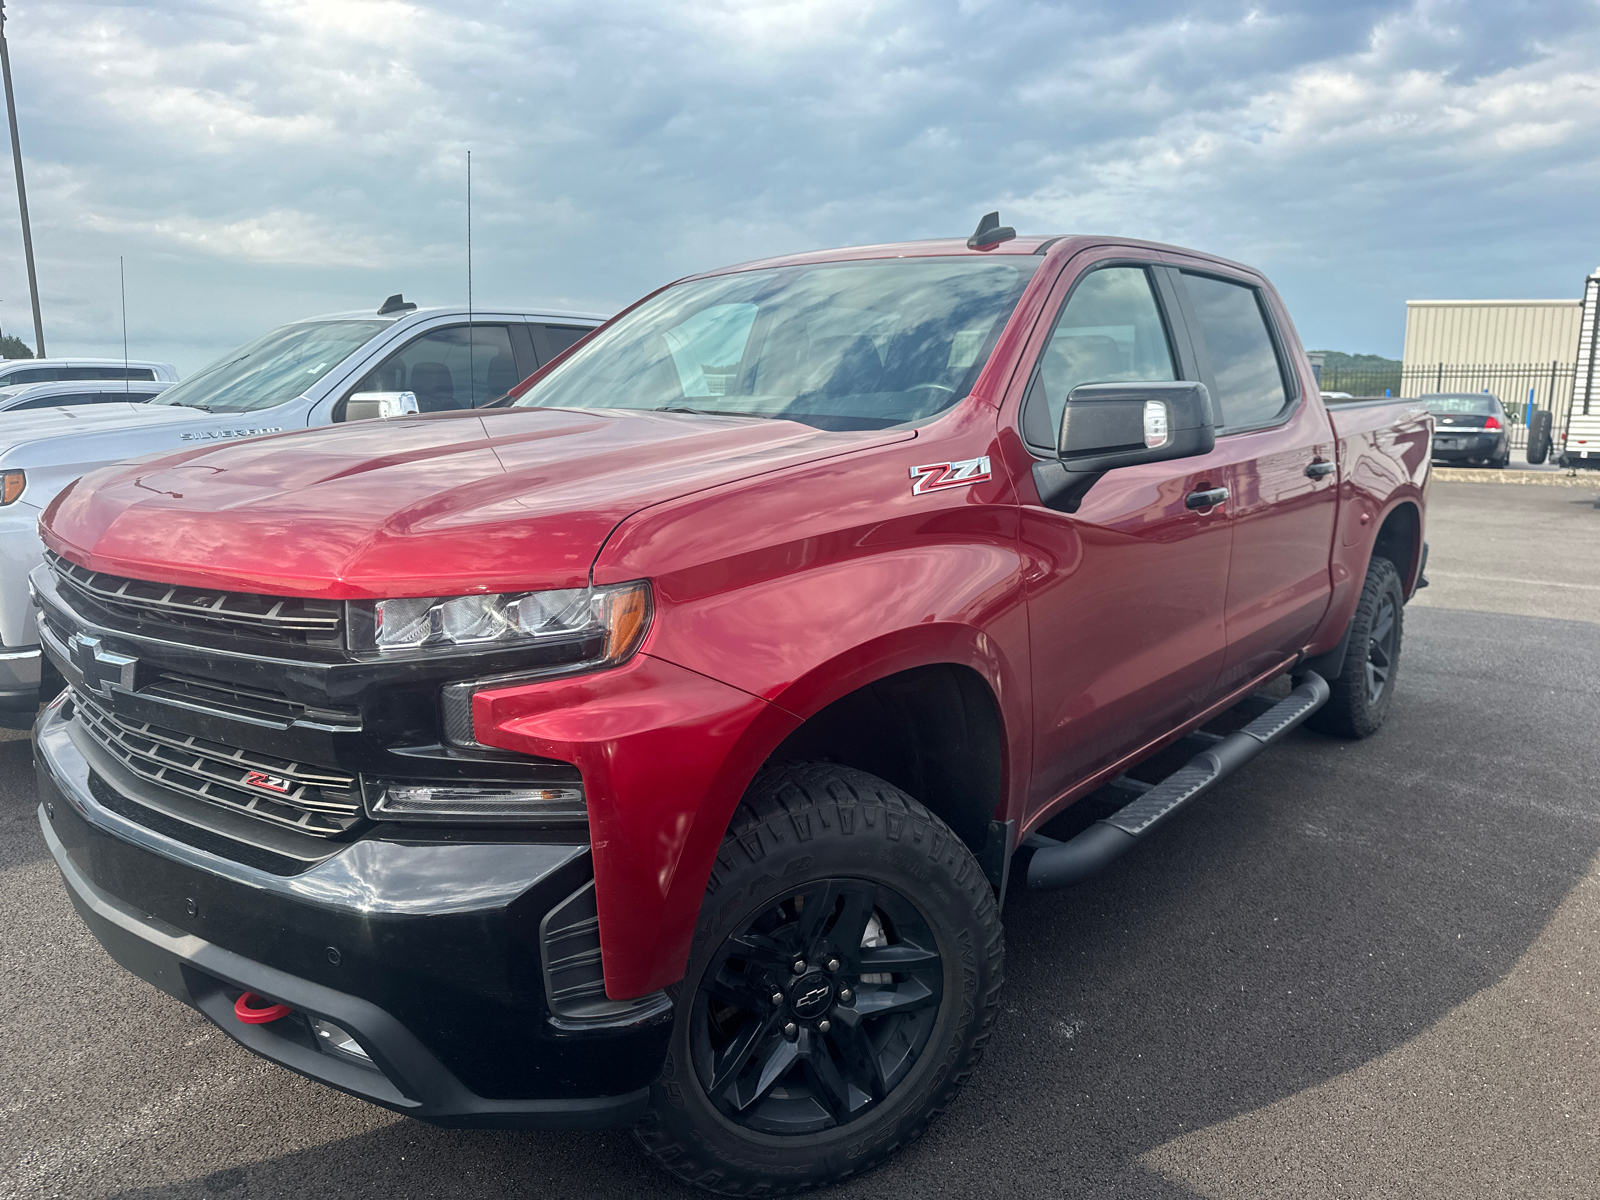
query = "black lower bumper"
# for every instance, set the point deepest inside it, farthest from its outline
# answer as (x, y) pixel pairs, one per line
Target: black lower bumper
(424, 952)
(1469, 447)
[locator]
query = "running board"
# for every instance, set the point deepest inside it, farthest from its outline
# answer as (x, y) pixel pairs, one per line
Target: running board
(1061, 864)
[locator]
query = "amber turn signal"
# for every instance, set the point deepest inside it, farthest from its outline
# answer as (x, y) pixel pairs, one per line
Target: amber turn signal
(12, 485)
(629, 617)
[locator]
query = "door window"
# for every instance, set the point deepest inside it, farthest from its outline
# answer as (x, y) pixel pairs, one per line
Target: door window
(462, 366)
(1110, 332)
(1244, 362)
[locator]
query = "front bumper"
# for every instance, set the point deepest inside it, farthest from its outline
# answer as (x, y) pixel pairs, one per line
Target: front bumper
(19, 686)
(1584, 456)
(427, 949)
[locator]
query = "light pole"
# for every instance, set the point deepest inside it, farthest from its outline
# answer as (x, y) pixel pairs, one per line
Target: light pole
(22, 191)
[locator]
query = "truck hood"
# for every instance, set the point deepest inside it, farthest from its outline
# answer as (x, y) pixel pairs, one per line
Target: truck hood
(495, 501)
(34, 423)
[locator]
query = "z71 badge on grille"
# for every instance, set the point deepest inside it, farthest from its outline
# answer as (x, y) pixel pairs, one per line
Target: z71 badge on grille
(272, 783)
(949, 474)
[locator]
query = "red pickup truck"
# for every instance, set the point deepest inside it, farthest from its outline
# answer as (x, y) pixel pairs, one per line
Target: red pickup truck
(656, 749)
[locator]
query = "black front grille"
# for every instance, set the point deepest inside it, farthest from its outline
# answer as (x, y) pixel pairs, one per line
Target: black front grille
(163, 607)
(256, 705)
(298, 795)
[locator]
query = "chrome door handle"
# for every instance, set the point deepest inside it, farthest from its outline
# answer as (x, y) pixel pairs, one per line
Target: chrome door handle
(1209, 498)
(1320, 468)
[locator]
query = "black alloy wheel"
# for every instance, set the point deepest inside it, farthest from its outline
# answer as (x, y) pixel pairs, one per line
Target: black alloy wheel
(817, 1009)
(1364, 688)
(1382, 640)
(843, 980)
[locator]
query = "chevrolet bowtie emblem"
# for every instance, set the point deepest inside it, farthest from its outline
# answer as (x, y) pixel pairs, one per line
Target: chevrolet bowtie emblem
(101, 667)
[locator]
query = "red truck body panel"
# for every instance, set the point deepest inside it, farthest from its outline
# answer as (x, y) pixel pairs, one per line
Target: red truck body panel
(792, 566)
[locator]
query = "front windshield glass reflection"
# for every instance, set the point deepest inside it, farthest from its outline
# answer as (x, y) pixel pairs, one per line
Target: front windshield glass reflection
(273, 369)
(855, 345)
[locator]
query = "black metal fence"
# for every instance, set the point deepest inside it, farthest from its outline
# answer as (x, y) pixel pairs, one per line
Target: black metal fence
(1521, 387)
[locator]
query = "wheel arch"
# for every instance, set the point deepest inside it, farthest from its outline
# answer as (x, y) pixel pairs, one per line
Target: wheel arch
(1399, 539)
(934, 731)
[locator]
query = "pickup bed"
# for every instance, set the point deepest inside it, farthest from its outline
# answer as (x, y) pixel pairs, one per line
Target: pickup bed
(656, 748)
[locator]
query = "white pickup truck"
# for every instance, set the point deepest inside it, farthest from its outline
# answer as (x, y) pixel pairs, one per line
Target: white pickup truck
(302, 374)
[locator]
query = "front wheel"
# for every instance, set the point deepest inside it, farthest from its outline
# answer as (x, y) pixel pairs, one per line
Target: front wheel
(1365, 686)
(842, 982)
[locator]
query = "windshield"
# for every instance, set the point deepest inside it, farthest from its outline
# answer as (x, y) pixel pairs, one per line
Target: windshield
(859, 345)
(274, 368)
(1477, 404)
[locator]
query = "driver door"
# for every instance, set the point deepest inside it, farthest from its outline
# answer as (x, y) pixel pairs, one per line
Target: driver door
(1125, 595)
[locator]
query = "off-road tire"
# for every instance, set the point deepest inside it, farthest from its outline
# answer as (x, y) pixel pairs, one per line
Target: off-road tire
(1352, 711)
(799, 824)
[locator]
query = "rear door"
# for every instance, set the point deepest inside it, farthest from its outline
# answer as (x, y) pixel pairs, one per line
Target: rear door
(1125, 595)
(1279, 447)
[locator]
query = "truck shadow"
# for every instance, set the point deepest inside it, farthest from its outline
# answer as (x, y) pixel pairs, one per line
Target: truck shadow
(1328, 903)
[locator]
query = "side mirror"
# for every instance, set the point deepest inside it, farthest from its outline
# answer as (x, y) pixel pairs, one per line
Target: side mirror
(364, 406)
(1109, 425)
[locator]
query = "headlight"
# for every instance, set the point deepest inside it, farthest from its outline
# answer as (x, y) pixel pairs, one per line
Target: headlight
(473, 802)
(11, 485)
(615, 618)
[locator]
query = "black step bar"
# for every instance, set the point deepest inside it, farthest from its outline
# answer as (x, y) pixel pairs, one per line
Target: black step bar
(1061, 864)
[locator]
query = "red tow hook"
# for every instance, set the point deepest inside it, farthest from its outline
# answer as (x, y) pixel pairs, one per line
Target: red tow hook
(245, 1010)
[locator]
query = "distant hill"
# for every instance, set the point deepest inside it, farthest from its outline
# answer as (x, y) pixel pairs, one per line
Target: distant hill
(1340, 361)
(1359, 374)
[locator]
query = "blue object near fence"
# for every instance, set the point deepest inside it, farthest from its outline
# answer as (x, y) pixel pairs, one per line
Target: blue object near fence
(1527, 413)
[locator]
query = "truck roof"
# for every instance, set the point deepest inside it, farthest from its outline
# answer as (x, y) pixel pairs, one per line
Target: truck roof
(477, 310)
(1064, 245)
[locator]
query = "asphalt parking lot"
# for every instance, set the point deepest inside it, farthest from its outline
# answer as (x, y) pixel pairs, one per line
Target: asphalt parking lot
(1361, 969)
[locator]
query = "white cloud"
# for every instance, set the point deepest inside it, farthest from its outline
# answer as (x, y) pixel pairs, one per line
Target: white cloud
(258, 161)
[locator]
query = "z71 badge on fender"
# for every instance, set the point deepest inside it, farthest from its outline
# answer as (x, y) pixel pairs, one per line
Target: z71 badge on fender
(949, 474)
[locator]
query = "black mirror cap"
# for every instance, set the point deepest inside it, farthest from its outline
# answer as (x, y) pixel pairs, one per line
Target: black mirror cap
(1104, 425)
(1103, 428)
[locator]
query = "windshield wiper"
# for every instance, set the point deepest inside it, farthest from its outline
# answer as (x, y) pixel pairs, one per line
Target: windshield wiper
(712, 412)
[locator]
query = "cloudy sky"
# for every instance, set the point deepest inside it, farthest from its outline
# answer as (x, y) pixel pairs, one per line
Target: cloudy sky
(257, 162)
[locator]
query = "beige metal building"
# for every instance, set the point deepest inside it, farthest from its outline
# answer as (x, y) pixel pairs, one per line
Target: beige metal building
(1465, 332)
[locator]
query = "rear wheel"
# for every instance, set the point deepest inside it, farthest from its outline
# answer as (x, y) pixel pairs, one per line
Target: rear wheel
(843, 980)
(1365, 686)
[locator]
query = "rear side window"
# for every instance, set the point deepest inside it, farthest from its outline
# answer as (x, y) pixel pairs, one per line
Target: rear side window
(562, 336)
(1109, 332)
(1244, 362)
(107, 373)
